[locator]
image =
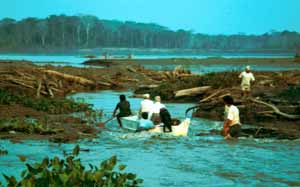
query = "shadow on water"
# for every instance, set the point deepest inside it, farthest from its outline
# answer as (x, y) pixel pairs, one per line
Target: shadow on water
(164, 160)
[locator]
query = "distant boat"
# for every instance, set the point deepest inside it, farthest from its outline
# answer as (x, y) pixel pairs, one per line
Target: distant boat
(132, 122)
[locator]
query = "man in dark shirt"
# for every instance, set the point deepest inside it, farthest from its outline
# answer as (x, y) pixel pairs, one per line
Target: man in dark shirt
(124, 109)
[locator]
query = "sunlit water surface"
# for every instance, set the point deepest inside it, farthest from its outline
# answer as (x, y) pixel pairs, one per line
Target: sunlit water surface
(163, 160)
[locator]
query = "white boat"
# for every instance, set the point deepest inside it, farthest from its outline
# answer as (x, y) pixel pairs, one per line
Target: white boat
(132, 123)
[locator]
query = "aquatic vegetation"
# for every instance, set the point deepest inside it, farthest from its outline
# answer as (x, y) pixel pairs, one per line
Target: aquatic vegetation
(25, 126)
(69, 171)
(49, 105)
(7, 98)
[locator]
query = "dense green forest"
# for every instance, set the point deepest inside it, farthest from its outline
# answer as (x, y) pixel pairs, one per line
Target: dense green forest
(85, 31)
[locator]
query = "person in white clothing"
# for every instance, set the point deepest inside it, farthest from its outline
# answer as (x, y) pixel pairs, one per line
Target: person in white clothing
(156, 110)
(146, 106)
(247, 77)
(232, 125)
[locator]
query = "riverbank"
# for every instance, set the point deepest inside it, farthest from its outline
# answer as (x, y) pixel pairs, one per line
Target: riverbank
(33, 102)
(126, 51)
(191, 61)
(33, 87)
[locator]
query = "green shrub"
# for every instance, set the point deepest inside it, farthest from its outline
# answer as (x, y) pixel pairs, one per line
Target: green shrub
(291, 94)
(7, 98)
(220, 80)
(70, 172)
(50, 105)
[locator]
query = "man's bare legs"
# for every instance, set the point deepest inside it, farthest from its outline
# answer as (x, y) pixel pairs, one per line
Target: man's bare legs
(119, 121)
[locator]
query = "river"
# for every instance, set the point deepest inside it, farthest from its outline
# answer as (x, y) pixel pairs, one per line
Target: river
(164, 160)
(76, 60)
(173, 161)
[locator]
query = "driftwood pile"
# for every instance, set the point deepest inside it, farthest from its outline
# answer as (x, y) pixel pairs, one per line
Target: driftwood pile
(54, 81)
(43, 82)
(157, 77)
(213, 100)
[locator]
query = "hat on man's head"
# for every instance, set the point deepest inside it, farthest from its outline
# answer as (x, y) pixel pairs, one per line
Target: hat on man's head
(247, 68)
(146, 96)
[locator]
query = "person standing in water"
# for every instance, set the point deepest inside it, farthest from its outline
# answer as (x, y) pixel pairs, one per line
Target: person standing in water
(247, 77)
(124, 109)
(232, 125)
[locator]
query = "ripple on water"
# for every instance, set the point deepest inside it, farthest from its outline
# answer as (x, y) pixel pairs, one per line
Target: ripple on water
(163, 160)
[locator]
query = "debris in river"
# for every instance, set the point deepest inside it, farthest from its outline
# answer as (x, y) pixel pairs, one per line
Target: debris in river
(3, 152)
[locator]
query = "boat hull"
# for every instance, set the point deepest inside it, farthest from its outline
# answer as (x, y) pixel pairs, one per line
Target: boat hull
(132, 123)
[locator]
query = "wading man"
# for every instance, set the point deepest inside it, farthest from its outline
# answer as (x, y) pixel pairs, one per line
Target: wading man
(124, 109)
(247, 77)
(232, 126)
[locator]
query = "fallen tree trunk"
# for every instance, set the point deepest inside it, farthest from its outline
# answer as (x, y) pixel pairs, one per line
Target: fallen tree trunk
(104, 84)
(47, 87)
(276, 110)
(73, 78)
(131, 69)
(192, 91)
(210, 96)
(130, 80)
(18, 82)
(148, 86)
(39, 86)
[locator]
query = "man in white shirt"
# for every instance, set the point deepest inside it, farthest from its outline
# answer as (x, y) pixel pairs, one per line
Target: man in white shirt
(247, 77)
(146, 106)
(156, 110)
(232, 125)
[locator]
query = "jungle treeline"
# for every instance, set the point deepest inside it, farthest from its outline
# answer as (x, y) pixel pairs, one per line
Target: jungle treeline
(86, 31)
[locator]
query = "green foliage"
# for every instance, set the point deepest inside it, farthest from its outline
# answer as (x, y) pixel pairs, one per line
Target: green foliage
(220, 80)
(85, 31)
(7, 98)
(50, 105)
(55, 105)
(291, 94)
(69, 171)
(24, 126)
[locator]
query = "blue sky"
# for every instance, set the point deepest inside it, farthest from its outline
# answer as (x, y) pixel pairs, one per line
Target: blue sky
(204, 16)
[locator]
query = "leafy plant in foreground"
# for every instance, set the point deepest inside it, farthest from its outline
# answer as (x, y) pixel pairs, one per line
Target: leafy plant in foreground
(70, 172)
